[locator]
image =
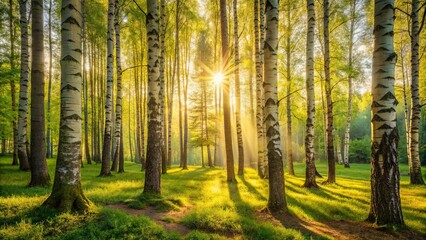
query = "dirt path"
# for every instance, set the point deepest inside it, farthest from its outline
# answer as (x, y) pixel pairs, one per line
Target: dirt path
(342, 230)
(169, 220)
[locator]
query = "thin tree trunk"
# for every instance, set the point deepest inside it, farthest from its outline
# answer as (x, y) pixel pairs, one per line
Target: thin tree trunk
(330, 137)
(415, 169)
(118, 102)
(385, 207)
(23, 147)
(85, 96)
(310, 89)
(288, 103)
(106, 149)
(238, 94)
(259, 97)
(67, 194)
(153, 157)
(185, 99)
(406, 110)
(39, 174)
(49, 87)
(162, 86)
(350, 77)
(121, 158)
(12, 84)
(226, 99)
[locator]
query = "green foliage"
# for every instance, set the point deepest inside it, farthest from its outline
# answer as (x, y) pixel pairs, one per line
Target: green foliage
(198, 235)
(215, 209)
(155, 201)
(114, 224)
(359, 151)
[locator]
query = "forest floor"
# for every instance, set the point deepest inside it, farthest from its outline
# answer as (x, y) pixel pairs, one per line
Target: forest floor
(204, 206)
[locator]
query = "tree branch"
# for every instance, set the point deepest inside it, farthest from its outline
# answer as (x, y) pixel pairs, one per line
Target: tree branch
(397, 8)
(139, 7)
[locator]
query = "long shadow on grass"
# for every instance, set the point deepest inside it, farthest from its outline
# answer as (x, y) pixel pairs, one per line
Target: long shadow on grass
(252, 189)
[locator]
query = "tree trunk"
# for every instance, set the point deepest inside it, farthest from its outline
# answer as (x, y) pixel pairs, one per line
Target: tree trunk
(153, 157)
(121, 158)
(310, 92)
(415, 168)
(330, 137)
(185, 105)
(385, 205)
(276, 201)
(118, 102)
(49, 88)
(39, 174)
(23, 147)
(67, 194)
(226, 99)
(350, 77)
(12, 84)
(162, 86)
(288, 104)
(238, 94)
(106, 149)
(259, 97)
(85, 97)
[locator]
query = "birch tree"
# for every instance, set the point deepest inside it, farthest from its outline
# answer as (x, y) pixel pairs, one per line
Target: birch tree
(153, 156)
(39, 174)
(118, 102)
(106, 148)
(310, 92)
(23, 90)
(330, 137)
(226, 99)
(259, 96)
(415, 167)
(67, 194)
(385, 206)
(238, 94)
(276, 201)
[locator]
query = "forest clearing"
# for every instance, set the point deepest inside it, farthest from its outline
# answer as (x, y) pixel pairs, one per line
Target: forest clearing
(202, 205)
(212, 119)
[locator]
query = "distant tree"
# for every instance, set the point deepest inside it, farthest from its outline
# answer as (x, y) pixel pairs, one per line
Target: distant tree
(328, 88)
(226, 89)
(118, 103)
(67, 194)
(23, 148)
(385, 206)
(310, 87)
(106, 149)
(12, 36)
(415, 118)
(153, 156)
(259, 95)
(39, 174)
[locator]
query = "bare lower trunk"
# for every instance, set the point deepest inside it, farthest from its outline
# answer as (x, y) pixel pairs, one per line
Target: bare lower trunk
(153, 157)
(226, 99)
(67, 194)
(106, 149)
(276, 201)
(330, 137)
(23, 91)
(259, 97)
(415, 169)
(39, 174)
(310, 121)
(385, 205)
(238, 95)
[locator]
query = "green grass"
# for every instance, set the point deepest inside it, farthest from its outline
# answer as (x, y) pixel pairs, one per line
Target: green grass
(218, 210)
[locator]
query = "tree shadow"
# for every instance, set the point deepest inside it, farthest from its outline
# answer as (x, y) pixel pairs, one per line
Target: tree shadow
(252, 189)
